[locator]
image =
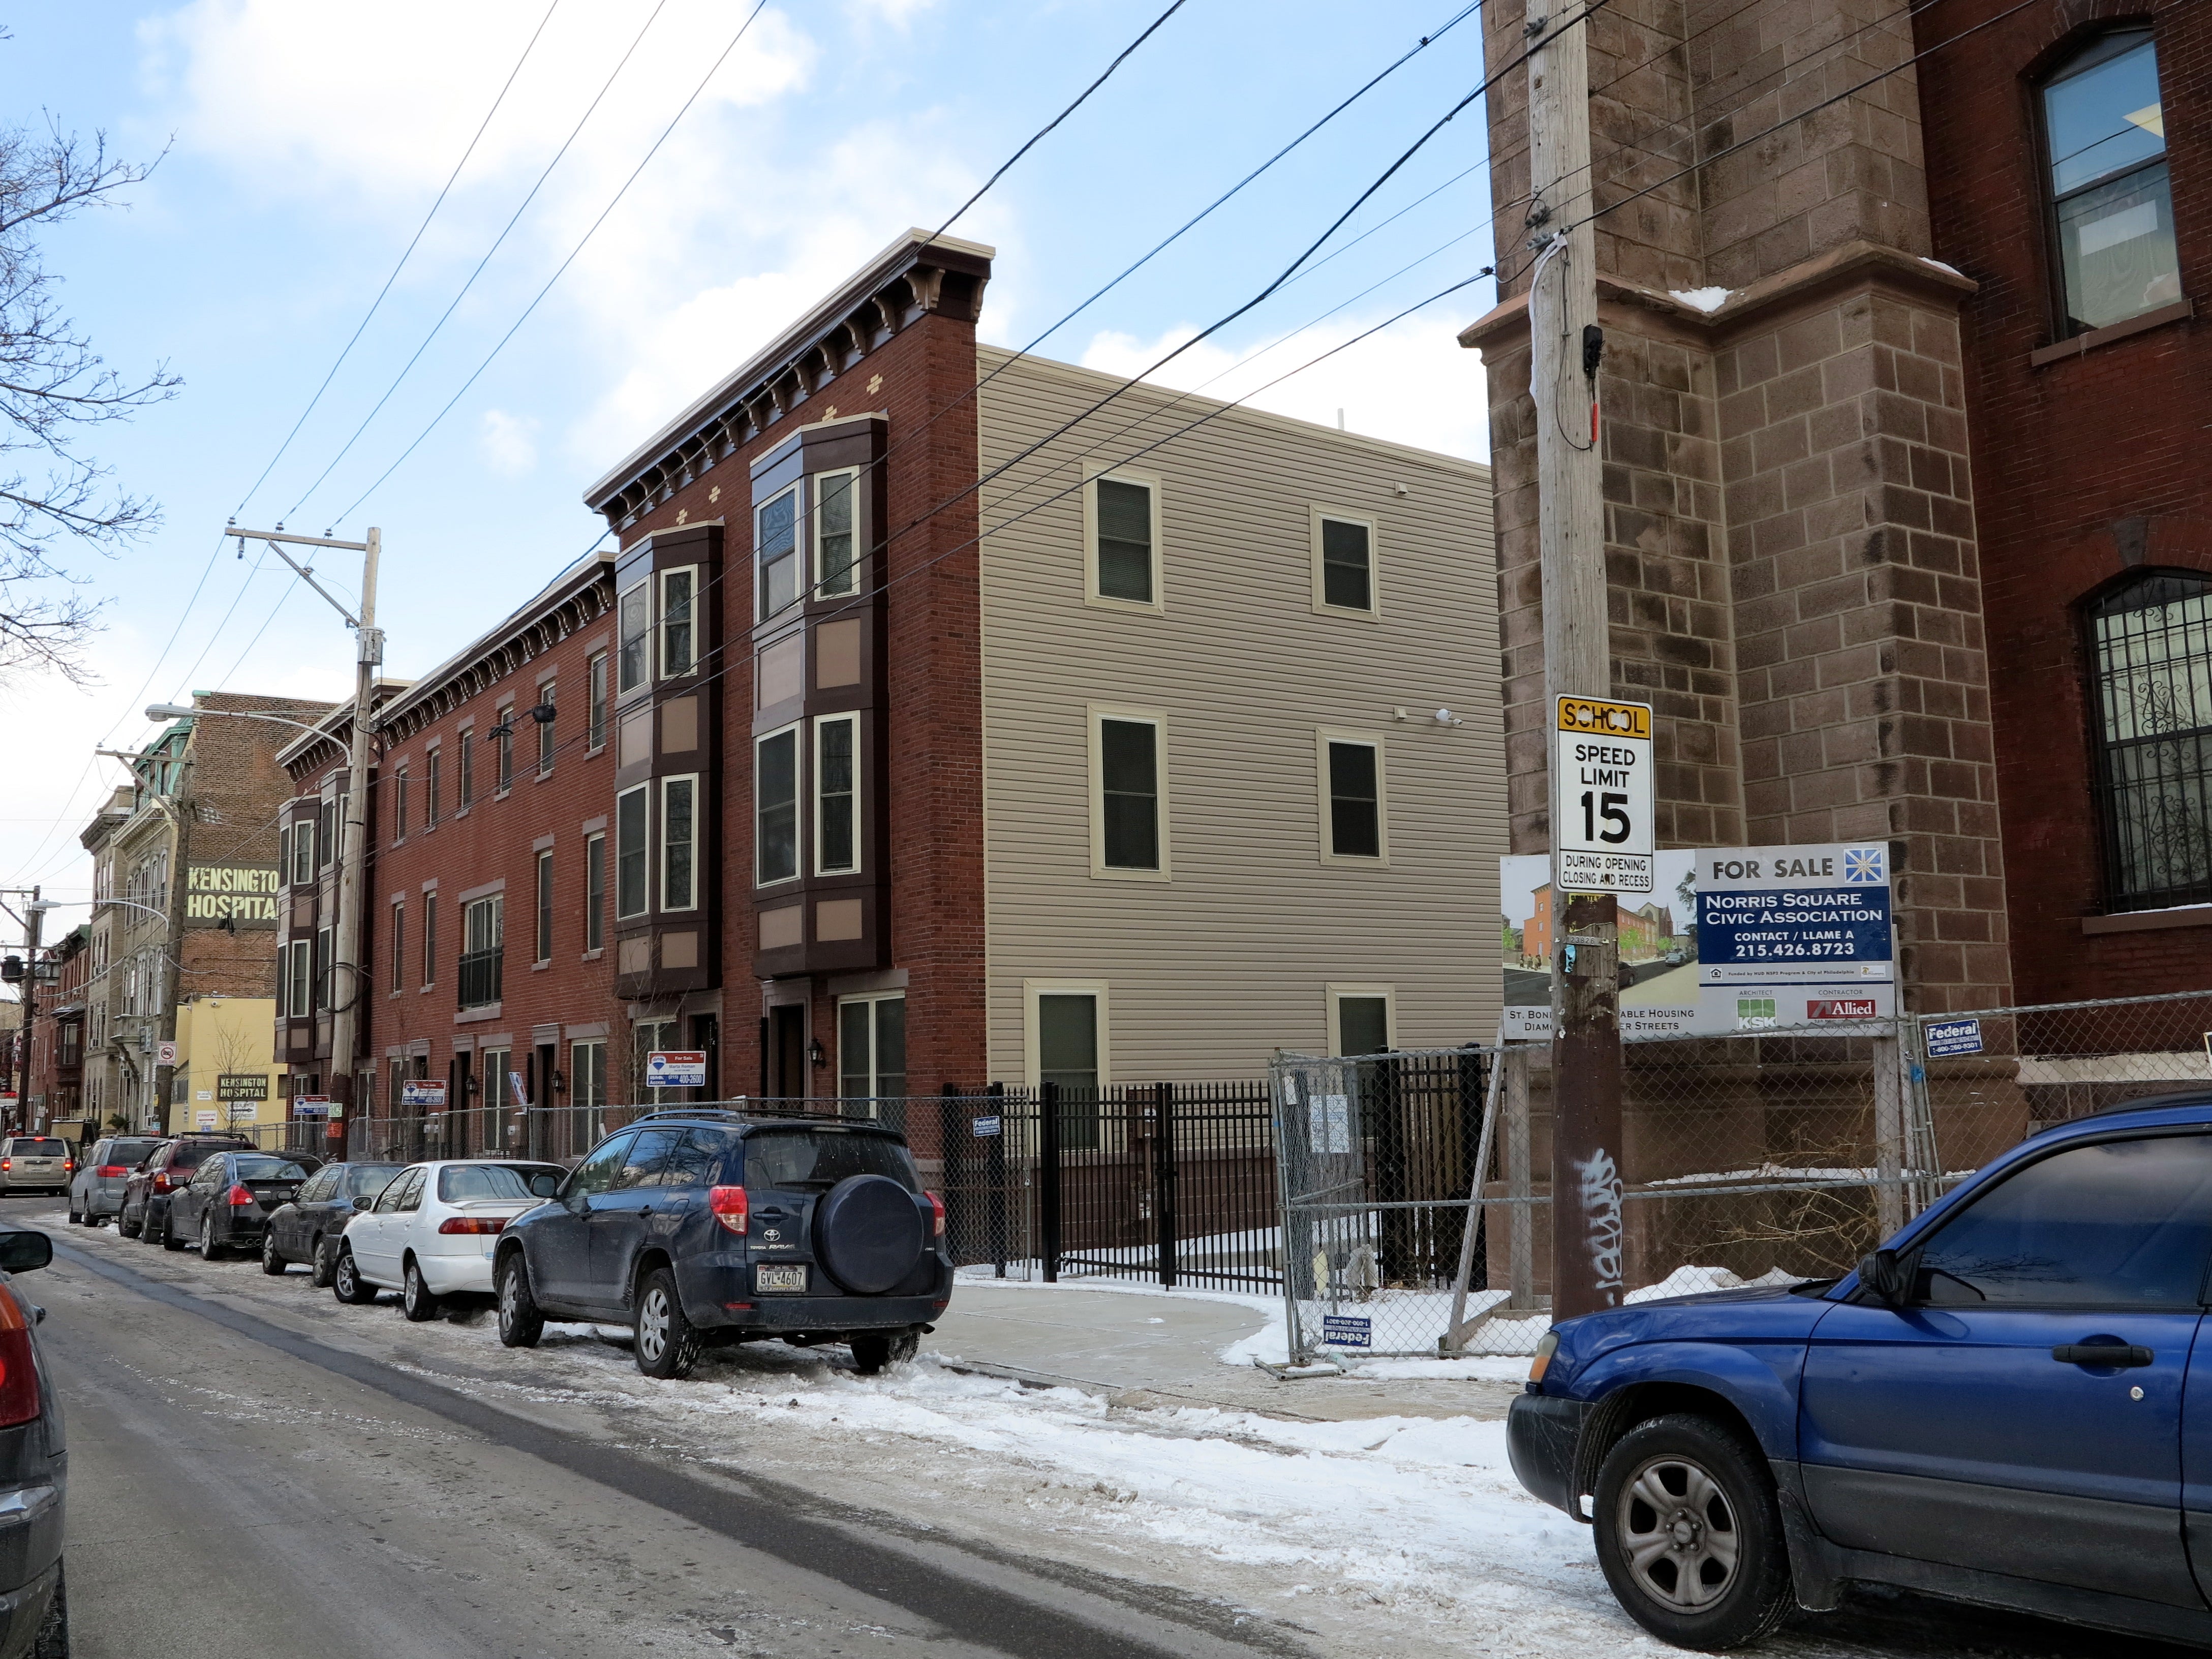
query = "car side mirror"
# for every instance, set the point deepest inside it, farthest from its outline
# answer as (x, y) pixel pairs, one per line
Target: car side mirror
(25, 1252)
(544, 1186)
(1888, 1277)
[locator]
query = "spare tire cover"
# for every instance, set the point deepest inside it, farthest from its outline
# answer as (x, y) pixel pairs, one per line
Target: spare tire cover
(868, 1233)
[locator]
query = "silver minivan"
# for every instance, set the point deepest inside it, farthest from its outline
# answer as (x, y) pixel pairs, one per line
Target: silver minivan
(96, 1193)
(35, 1164)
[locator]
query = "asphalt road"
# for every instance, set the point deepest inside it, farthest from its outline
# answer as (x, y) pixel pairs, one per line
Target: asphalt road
(235, 1487)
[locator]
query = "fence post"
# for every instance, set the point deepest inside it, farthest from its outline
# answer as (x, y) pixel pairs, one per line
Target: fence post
(1048, 1179)
(994, 1167)
(1165, 1173)
(948, 1113)
(1380, 1087)
(1888, 1136)
(1522, 1267)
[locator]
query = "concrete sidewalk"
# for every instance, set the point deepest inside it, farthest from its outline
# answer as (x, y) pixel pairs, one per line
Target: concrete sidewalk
(1162, 1348)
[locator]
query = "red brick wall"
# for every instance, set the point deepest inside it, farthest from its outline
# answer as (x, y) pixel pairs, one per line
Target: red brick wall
(495, 838)
(2067, 458)
(935, 724)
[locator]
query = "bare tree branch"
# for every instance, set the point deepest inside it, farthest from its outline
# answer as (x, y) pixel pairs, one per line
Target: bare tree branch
(52, 385)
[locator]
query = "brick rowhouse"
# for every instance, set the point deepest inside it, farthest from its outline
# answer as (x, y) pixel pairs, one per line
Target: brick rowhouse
(1863, 476)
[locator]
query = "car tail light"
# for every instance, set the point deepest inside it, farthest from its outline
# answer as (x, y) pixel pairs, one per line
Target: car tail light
(937, 1204)
(161, 1181)
(109, 1172)
(68, 1164)
(728, 1205)
(473, 1224)
(19, 1373)
(239, 1198)
(7, 1163)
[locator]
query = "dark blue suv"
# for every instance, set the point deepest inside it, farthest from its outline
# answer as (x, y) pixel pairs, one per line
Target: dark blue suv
(2004, 1406)
(703, 1226)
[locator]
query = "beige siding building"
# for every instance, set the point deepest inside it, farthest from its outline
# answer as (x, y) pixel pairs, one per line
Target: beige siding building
(1224, 810)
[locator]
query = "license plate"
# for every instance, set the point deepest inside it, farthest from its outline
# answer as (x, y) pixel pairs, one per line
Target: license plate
(791, 1277)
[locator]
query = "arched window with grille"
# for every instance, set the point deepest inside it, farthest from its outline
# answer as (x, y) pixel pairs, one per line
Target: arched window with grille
(2150, 644)
(2111, 202)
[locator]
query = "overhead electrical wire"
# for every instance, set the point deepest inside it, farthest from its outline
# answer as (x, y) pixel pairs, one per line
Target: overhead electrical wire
(498, 241)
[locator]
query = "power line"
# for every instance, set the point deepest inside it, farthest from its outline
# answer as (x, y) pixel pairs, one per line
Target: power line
(497, 242)
(405, 255)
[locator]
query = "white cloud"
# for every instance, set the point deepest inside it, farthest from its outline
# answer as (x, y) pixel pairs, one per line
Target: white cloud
(1412, 383)
(510, 442)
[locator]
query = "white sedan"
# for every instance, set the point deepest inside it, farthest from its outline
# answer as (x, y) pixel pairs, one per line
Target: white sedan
(430, 1233)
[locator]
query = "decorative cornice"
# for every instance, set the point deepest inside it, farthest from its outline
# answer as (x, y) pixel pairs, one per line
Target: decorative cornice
(916, 275)
(1839, 267)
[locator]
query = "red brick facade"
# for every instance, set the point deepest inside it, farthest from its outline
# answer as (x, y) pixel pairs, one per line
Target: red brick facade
(2085, 468)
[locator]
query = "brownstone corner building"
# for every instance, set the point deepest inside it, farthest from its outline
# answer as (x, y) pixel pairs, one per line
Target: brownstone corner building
(968, 727)
(1907, 411)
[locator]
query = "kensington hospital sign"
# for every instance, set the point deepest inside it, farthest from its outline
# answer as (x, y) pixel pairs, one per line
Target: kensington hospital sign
(244, 895)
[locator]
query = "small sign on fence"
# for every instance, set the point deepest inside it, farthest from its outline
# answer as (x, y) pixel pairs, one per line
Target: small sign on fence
(311, 1105)
(203, 1119)
(984, 1127)
(1347, 1331)
(1953, 1036)
(1328, 1123)
(676, 1068)
(423, 1091)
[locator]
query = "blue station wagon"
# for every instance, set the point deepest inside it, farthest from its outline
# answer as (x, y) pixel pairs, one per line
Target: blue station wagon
(2004, 1406)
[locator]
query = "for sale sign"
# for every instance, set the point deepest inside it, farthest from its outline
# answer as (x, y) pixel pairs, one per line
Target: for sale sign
(1601, 821)
(423, 1091)
(676, 1068)
(1794, 935)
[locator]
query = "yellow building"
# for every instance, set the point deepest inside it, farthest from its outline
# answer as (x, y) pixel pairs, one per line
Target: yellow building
(227, 1072)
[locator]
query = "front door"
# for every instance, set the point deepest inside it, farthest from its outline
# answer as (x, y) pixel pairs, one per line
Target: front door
(560, 1258)
(1980, 1426)
(786, 1024)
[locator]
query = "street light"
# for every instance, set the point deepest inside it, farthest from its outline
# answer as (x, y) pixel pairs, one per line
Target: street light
(172, 711)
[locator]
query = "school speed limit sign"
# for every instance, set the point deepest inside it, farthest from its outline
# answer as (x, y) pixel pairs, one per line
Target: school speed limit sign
(1602, 796)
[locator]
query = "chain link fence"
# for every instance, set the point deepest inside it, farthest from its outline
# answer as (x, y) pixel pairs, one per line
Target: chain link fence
(1765, 1158)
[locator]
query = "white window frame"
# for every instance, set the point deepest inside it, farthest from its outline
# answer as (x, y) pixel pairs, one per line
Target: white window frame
(800, 527)
(1158, 604)
(1324, 736)
(1334, 993)
(543, 905)
(823, 723)
(1321, 606)
(1034, 988)
(595, 905)
(661, 839)
(798, 800)
(398, 946)
(1094, 715)
(817, 489)
(875, 1069)
(661, 619)
(623, 686)
(644, 792)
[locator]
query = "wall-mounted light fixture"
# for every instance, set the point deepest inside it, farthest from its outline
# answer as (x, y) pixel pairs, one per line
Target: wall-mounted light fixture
(817, 1053)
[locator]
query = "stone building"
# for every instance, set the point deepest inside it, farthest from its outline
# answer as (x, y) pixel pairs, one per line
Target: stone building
(1908, 522)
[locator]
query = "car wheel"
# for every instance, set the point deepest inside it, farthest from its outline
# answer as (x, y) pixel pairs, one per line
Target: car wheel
(53, 1638)
(346, 1282)
(76, 1216)
(322, 1262)
(667, 1343)
(415, 1298)
(520, 1323)
(209, 1250)
(873, 1350)
(272, 1259)
(1689, 1533)
(167, 1236)
(126, 1226)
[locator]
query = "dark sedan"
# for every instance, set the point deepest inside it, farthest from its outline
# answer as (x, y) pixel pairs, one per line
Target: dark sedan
(306, 1230)
(148, 1190)
(33, 1466)
(227, 1203)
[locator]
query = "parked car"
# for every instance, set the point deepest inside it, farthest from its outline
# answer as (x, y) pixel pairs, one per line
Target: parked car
(34, 1468)
(700, 1226)
(35, 1164)
(226, 1204)
(166, 1171)
(429, 1233)
(2004, 1405)
(96, 1191)
(306, 1230)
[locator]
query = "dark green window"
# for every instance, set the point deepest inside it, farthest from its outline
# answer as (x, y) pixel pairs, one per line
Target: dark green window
(1124, 541)
(1355, 804)
(1129, 794)
(1348, 574)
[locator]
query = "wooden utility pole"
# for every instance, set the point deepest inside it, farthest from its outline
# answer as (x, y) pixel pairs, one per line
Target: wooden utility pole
(349, 981)
(1564, 348)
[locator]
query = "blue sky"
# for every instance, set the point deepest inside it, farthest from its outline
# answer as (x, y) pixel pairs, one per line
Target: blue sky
(305, 141)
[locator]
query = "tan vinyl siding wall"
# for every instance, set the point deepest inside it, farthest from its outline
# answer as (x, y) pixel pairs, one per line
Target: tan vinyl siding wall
(1211, 970)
